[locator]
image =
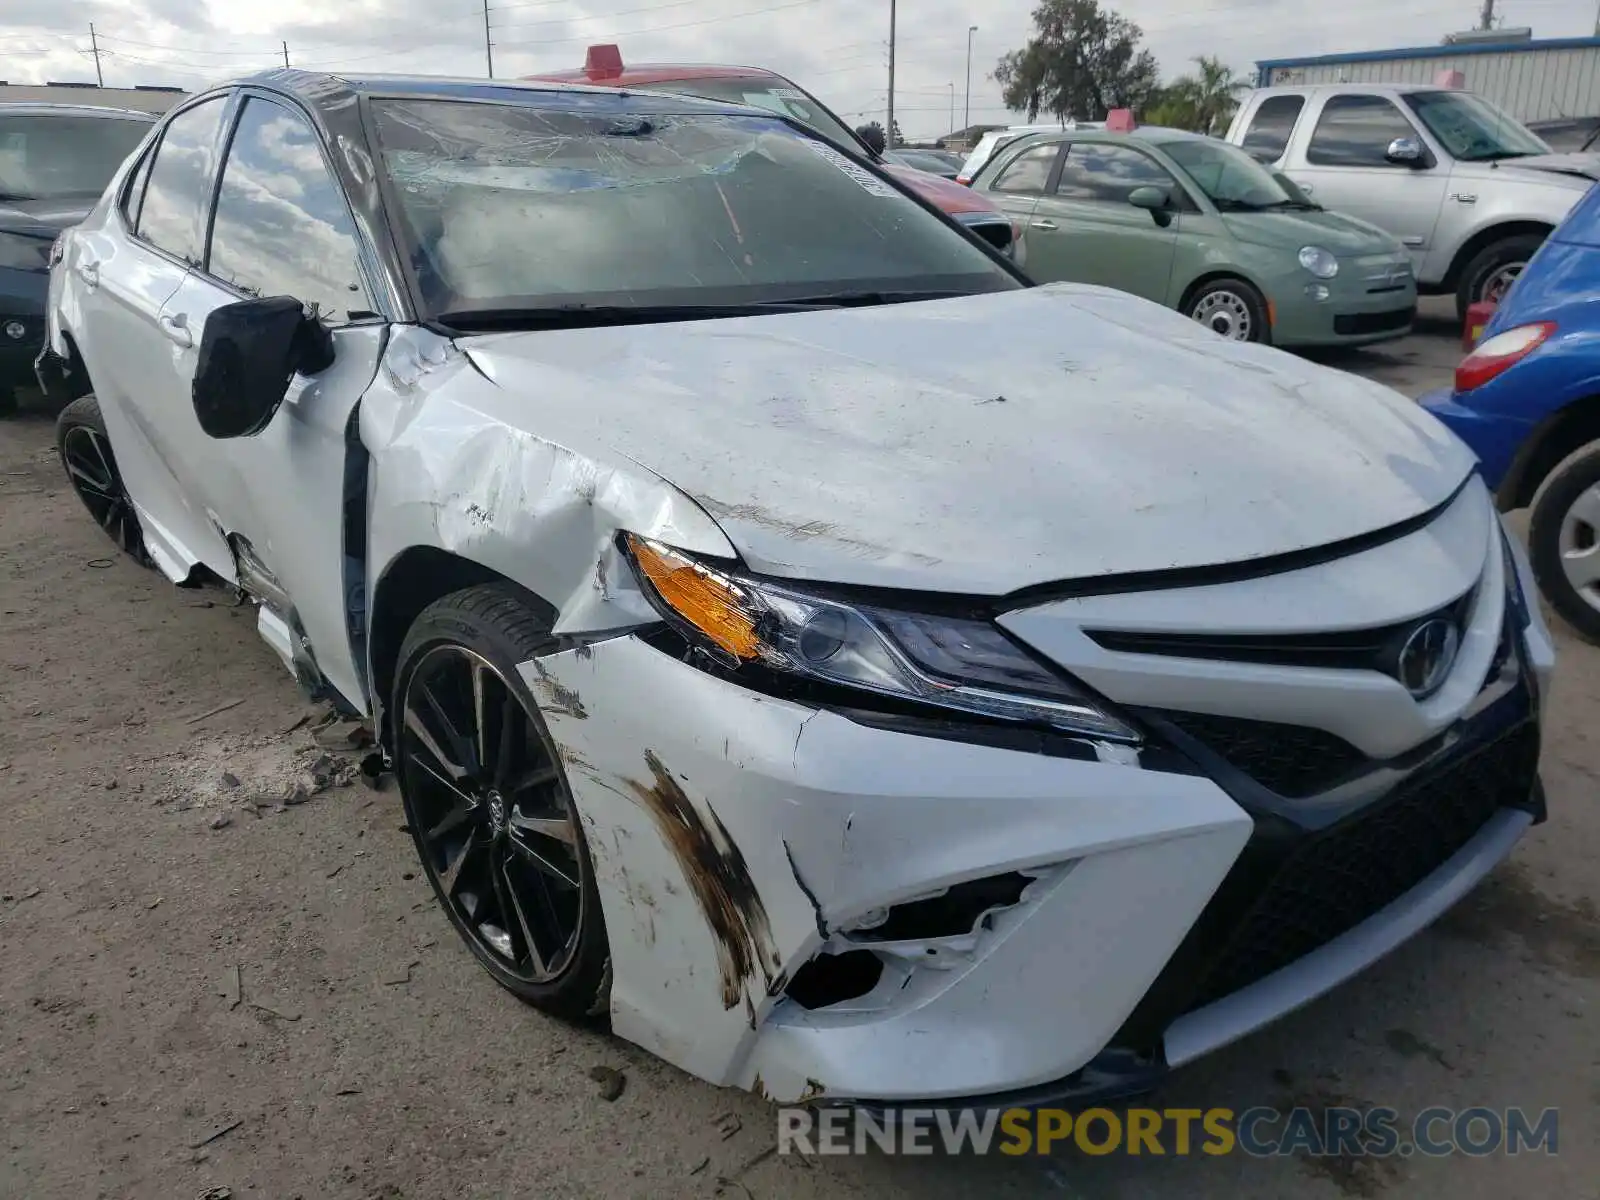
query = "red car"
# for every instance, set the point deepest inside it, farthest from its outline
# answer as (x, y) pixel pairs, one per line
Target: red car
(766, 89)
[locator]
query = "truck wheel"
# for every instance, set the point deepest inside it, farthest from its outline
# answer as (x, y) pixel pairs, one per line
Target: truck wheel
(91, 467)
(1494, 269)
(1564, 540)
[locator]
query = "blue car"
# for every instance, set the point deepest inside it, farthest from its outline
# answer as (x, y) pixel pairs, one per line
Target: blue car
(1527, 400)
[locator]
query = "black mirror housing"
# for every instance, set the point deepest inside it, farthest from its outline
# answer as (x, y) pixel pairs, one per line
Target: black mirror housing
(249, 353)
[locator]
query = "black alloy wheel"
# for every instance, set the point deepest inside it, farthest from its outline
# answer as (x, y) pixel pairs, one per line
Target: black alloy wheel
(489, 807)
(91, 467)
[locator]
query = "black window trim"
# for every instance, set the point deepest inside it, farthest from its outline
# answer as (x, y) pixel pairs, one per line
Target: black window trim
(1430, 157)
(365, 256)
(1001, 162)
(1184, 201)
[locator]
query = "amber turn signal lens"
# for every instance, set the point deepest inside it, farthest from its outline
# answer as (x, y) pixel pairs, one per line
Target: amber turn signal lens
(711, 604)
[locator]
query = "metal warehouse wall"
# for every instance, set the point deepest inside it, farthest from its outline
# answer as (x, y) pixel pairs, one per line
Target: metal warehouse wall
(1533, 85)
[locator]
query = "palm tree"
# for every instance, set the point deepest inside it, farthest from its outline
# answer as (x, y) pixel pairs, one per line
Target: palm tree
(1212, 91)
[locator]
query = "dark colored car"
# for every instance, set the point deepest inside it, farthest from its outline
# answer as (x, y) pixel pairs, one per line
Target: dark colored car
(1527, 400)
(934, 162)
(55, 160)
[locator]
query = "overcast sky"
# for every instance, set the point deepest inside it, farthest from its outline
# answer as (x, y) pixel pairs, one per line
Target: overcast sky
(835, 48)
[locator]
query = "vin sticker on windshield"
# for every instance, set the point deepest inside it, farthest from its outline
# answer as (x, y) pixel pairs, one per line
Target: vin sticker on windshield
(868, 183)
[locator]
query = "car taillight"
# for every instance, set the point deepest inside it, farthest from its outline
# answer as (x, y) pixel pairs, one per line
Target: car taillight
(1502, 351)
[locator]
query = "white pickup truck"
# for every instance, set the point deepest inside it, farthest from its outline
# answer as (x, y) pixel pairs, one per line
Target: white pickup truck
(1467, 188)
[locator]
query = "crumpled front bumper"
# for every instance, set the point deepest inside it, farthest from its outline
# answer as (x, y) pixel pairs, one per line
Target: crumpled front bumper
(736, 837)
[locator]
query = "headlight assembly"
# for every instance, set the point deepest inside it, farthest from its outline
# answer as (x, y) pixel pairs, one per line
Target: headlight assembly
(1319, 262)
(954, 663)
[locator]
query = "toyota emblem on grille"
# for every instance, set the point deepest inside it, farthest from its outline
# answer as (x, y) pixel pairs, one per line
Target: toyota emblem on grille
(1426, 658)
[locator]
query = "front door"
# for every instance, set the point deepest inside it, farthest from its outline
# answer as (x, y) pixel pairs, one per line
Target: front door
(283, 227)
(134, 351)
(1086, 231)
(1346, 169)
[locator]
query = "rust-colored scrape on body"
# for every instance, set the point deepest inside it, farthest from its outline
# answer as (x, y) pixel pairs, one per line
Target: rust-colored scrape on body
(720, 879)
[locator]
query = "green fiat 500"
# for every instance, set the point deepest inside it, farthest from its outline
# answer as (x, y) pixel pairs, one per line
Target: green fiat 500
(1198, 225)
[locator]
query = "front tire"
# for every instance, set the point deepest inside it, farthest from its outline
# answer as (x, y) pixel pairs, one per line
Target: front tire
(1564, 540)
(488, 804)
(1231, 308)
(1492, 271)
(91, 466)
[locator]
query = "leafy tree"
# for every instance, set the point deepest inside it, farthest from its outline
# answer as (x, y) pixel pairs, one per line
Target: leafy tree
(899, 138)
(1203, 102)
(1082, 61)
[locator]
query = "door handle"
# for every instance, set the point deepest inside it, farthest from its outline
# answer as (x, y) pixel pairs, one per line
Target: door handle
(1044, 224)
(176, 327)
(89, 272)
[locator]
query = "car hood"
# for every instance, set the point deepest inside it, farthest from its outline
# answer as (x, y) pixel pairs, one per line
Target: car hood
(1581, 166)
(43, 216)
(1337, 233)
(983, 444)
(944, 193)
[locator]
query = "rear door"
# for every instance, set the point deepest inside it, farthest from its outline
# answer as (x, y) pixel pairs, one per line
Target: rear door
(1342, 163)
(127, 272)
(1086, 231)
(282, 227)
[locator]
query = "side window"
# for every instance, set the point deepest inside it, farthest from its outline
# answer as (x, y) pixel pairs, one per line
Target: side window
(1267, 135)
(172, 216)
(1355, 131)
(1107, 174)
(283, 227)
(1029, 171)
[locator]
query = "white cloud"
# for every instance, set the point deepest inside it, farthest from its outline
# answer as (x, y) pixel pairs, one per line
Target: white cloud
(834, 48)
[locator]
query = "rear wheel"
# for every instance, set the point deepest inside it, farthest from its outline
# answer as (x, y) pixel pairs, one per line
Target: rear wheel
(488, 805)
(1492, 271)
(85, 450)
(1230, 308)
(1564, 540)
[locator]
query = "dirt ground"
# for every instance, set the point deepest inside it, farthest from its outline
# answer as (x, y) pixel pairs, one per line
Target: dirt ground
(202, 987)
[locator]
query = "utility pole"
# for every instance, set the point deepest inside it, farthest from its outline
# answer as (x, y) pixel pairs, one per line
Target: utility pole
(888, 134)
(1486, 18)
(94, 49)
(967, 122)
(488, 50)
(952, 125)
(286, 56)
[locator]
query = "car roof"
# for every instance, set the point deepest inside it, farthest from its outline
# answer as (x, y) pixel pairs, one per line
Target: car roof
(643, 74)
(1154, 135)
(46, 108)
(1361, 89)
(325, 92)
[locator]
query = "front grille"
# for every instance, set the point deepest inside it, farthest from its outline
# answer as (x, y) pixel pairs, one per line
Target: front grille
(1377, 322)
(1291, 760)
(1337, 878)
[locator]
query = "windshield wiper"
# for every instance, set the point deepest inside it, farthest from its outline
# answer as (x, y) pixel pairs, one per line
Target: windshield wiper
(14, 196)
(865, 299)
(1292, 206)
(1499, 155)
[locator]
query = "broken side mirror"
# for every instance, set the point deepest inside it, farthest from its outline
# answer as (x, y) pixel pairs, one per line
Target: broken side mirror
(249, 353)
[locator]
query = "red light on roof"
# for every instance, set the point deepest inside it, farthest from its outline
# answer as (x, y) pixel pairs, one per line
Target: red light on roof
(603, 62)
(1450, 79)
(1120, 120)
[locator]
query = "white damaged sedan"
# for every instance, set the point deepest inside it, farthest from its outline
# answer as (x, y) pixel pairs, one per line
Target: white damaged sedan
(856, 673)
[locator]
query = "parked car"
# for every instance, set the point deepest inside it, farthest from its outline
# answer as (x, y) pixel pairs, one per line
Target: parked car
(761, 88)
(1198, 225)
(55, 160)
(1527, 400)
(993, 140)
(1468, 189)
(1567, 134)
(760, 667)
(934, 162)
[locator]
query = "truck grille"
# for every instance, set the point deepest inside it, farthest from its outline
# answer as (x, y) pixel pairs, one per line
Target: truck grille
(1339, 877)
